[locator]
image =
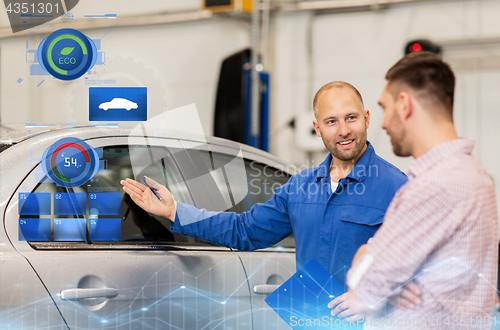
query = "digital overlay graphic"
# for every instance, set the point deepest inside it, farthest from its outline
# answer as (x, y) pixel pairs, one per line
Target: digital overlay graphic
(118, 104)
(70, 162)
(67, 54)
(305, 296)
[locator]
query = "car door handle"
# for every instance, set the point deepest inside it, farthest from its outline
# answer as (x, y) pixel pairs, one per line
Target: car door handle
(77, 294)
(265, 288)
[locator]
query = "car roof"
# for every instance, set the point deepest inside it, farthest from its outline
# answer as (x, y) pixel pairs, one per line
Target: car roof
(14, 134)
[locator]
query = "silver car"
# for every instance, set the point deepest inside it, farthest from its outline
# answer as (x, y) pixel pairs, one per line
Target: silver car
(146, 277)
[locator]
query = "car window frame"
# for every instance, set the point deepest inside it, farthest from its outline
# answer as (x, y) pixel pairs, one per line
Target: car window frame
(258, 158)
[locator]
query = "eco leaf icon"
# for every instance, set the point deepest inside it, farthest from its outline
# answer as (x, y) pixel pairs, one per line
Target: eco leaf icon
(66, 50)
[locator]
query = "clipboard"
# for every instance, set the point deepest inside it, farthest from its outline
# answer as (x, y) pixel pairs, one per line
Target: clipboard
(305, 296)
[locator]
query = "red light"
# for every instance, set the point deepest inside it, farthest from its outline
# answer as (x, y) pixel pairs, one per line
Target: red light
(416, 47)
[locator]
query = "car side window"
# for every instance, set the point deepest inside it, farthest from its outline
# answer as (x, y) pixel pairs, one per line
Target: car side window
(100, 212)
(261, 182)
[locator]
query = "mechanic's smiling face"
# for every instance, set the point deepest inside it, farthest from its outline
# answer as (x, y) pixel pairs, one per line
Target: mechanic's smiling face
(341, 123)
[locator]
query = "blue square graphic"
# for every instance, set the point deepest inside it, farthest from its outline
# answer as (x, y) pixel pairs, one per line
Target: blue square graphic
(118, 104)
(34, 204)
(105, 229)
(70, 230)
(34, 230)
(105, 204)
(70, 203)
(305, 296)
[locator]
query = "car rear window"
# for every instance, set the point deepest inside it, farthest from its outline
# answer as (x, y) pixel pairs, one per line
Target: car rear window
(261, 180)
(99, 212)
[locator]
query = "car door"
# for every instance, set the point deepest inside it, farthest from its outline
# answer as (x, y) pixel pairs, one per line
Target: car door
(269, 268)
(24, 301)
(110, 268)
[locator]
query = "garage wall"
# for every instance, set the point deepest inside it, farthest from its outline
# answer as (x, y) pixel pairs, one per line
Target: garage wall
(360, 47)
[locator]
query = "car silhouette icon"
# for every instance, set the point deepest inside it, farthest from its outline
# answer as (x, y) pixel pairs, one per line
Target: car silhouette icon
(118, 103)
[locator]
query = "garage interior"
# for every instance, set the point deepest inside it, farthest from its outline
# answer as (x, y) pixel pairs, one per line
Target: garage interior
(210, 53)
(177, 47)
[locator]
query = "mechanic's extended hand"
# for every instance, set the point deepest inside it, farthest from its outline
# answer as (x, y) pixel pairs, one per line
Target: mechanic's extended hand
(144, 197)
(410, 296)
(348, 305)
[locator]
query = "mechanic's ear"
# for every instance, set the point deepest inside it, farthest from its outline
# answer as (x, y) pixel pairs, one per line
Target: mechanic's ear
(316, 128)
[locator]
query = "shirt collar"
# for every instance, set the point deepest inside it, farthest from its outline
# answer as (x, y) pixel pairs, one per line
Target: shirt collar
(439, 153)
(359, 170)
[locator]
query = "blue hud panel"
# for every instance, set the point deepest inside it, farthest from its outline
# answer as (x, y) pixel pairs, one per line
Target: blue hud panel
(70, 203)
(118, 104)
(70, 230)
(34, 230)
(34, 204)
(302, 301)
(105, 229)
(105, 204)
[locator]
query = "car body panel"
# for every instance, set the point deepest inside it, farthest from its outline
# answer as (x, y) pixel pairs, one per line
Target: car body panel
(25, 303)
(158, 286)
(268, 268)
(151, 285)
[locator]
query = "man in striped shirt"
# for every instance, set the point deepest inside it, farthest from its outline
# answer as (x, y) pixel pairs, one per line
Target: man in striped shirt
(440, 230)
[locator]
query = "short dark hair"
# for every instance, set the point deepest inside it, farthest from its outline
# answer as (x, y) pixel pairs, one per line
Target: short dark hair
(428, 75)
(335, 84)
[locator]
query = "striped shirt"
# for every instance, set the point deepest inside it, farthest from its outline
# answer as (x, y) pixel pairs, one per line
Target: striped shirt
(441, 232)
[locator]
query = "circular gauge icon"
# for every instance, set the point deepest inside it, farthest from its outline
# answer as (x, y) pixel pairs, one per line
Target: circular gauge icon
(67, 54)
(70, 162)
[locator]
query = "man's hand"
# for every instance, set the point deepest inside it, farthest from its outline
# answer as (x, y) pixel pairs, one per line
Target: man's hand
(348, 305)
(144, 197)
(409, 297)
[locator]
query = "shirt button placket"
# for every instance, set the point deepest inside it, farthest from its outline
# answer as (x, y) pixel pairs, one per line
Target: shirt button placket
(327, 228)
